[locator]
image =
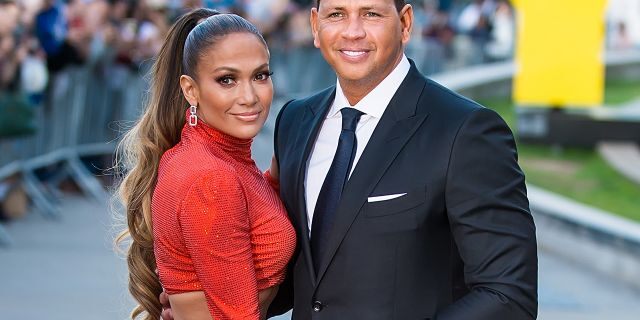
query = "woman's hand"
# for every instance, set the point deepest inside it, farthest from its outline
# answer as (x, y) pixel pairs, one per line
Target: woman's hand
(273, 170)
(166, 306)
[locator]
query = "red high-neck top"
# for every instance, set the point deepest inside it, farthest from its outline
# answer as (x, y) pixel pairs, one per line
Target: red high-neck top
(218, 225)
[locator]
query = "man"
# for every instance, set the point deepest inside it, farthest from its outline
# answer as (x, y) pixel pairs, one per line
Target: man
(414, 206)
(433, 221)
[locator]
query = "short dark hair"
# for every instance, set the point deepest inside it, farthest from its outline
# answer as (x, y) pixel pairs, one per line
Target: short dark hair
(399, 4)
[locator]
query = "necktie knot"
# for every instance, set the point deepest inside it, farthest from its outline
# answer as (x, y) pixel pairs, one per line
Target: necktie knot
(350, 118)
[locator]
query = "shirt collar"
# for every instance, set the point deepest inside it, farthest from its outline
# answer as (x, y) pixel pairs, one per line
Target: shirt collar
(376, 101)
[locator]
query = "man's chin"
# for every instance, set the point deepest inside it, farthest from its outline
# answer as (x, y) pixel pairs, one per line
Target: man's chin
(353, 74)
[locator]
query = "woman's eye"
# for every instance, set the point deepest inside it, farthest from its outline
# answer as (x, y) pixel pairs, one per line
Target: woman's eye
(226, 81)
(263, 76)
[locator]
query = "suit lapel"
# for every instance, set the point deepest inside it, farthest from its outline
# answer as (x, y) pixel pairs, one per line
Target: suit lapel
(398, 123)
(309, 129)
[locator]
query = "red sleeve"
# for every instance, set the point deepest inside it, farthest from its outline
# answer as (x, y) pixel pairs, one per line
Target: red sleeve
(216, 229)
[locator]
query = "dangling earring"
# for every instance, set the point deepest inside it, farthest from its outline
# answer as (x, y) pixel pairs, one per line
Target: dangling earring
(193, 118)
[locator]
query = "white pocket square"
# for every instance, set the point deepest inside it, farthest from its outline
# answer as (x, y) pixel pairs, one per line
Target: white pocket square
(385, 198)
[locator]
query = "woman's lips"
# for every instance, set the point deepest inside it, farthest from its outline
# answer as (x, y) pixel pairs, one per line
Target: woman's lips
(247, 116)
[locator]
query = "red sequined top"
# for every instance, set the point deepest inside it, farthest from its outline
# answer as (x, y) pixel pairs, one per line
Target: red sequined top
(218, 225)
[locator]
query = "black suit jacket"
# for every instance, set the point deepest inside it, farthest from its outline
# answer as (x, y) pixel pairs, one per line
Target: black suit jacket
(459, 245)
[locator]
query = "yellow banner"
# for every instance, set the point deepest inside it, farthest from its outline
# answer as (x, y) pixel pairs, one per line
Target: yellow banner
(560, 53)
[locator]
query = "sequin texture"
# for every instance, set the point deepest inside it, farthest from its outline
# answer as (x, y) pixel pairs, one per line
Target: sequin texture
(218, 225)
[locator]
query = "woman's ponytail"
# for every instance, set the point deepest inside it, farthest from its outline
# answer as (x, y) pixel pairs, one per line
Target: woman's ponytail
(139, 154)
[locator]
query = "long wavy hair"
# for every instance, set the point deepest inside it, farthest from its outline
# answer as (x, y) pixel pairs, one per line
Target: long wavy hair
(138, 154)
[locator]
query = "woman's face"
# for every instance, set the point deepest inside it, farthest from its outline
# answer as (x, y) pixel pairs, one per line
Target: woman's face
(233, 88)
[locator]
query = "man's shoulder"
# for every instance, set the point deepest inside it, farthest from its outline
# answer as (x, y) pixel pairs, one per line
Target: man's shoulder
(455, 110)
(293, 111)
(440, 99)
(309, 101)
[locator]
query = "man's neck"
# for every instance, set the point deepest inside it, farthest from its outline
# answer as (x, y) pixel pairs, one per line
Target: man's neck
(356, 90)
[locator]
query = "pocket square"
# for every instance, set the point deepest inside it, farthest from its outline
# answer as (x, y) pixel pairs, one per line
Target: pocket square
(385, 198)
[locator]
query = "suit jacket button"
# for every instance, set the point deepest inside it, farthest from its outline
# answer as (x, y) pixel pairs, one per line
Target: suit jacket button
(317, 306)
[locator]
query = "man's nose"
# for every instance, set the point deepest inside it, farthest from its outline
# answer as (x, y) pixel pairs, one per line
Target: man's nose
(354, 28)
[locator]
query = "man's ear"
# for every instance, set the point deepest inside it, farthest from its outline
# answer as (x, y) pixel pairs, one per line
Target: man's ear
(406, 20)
(313, 20)
(189, 89)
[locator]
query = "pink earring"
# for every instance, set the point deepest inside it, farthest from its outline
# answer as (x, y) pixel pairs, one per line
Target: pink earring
(193, 118)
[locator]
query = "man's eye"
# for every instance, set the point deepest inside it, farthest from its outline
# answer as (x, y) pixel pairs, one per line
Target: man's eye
(335, 15)
(371, 14)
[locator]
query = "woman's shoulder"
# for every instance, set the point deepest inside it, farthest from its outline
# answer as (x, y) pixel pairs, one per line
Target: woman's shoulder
(222, 178)
(194, 166)
(219, 193)
(194, 157)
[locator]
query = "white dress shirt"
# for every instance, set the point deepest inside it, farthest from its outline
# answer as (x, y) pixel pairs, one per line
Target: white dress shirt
(373, 106)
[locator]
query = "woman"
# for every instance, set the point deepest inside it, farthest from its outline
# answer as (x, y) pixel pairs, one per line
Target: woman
(197, 206)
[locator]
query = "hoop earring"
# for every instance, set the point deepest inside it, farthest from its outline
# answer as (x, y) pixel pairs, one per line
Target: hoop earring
(193, 118)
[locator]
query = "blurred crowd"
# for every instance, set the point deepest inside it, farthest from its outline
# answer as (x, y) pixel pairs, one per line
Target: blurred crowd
(56, 34)
(453, 34)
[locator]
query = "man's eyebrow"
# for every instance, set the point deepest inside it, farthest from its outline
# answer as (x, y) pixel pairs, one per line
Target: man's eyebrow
(366, 7)
(336, 8)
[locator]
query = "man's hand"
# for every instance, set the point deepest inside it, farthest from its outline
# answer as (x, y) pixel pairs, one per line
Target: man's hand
(166, 307)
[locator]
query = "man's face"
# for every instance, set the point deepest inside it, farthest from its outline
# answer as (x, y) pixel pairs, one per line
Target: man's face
(362, 40)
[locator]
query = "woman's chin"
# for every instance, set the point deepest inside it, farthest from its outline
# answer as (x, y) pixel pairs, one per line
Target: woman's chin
(246, 131)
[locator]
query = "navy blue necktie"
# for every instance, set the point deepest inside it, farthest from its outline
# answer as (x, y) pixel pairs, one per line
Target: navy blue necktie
(331, 190)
